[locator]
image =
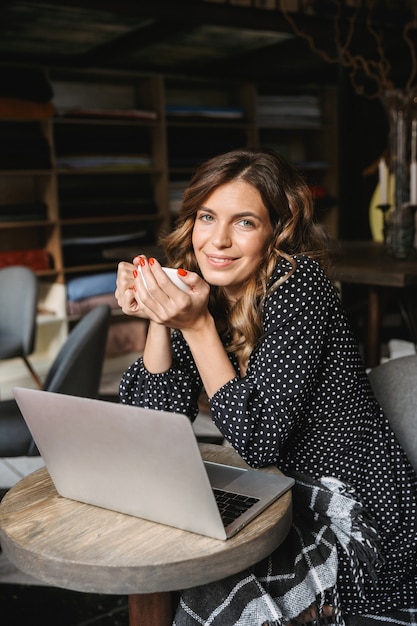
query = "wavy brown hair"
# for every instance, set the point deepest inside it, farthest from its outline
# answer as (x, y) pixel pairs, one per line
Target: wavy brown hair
(288, 200)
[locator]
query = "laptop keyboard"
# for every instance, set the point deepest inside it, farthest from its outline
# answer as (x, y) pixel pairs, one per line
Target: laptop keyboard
(231, 505)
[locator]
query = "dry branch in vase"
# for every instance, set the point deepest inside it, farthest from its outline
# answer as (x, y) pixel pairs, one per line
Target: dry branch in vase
(357, 26)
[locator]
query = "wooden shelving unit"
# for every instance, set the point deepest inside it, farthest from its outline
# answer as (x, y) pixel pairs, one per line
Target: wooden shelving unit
(109, 148)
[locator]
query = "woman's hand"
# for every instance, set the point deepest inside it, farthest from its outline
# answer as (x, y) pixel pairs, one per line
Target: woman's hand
(144, 290)
(125, 284)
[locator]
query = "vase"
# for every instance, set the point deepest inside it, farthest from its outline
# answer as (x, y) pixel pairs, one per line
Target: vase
(400, 196)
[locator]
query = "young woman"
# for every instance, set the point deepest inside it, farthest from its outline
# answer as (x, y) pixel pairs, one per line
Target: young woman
(262, 330)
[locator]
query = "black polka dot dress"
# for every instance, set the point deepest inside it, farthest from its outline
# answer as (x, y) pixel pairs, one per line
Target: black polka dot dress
(305, 404)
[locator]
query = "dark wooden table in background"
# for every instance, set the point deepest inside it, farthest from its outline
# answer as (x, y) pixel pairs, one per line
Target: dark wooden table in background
(367, 263)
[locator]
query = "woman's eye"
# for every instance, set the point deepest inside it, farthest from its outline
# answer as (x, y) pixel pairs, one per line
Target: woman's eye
(246, 223)
(205, 217)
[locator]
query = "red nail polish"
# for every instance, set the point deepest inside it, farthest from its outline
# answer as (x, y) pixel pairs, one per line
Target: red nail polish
(182, 272)
(151, 260)
(135, 273)
(141, 261)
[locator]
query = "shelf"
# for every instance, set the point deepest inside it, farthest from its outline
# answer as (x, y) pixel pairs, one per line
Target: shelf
(24, 224)
(104, 121)
(110, 220)
(45, 318)
(294, 127)
(25, 172)
(99, 171)
(52, 273)
(314, 166)
(215, 123)
(90, 268)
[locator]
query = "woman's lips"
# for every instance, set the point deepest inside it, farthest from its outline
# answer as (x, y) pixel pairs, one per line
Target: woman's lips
(219, 261)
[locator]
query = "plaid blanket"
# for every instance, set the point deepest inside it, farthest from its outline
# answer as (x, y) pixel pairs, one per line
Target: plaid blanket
(300, 573)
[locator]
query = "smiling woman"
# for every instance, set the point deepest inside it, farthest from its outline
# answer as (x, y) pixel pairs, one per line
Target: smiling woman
(261, 328)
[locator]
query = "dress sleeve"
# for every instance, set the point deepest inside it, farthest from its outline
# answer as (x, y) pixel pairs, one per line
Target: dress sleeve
(176, 390)
(259, 413)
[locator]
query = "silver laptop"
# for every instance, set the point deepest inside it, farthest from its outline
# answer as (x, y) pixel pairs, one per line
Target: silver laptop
(141, 462)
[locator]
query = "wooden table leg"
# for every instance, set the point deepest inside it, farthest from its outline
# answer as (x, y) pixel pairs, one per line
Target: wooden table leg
(150, 609)
(374, 327)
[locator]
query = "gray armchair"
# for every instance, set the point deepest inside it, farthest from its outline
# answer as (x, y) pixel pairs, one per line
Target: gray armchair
(19, 301)
(395, 386)
(76, 371)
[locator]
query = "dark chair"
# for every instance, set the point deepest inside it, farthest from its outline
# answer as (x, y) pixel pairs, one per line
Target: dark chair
(19, 300)
(75, 371)
(395, 386)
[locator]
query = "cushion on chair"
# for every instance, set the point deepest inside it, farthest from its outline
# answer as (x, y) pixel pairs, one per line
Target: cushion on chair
(10, 346)
(395, 387)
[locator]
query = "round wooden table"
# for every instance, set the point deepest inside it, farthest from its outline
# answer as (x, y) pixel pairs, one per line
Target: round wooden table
(80, 547)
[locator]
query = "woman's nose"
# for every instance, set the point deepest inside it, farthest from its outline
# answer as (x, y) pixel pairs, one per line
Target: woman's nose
(222, 238)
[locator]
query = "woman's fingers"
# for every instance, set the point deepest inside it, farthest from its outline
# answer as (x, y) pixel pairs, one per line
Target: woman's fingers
(144, 289)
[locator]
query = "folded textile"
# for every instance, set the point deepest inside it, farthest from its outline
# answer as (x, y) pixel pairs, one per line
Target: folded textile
(36, 259)
(15, 108)
(95, 113)
(91, 285)
(102, 162)
(83, 306)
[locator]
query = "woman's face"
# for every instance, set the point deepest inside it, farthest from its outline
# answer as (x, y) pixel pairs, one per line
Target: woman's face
(230, 234)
